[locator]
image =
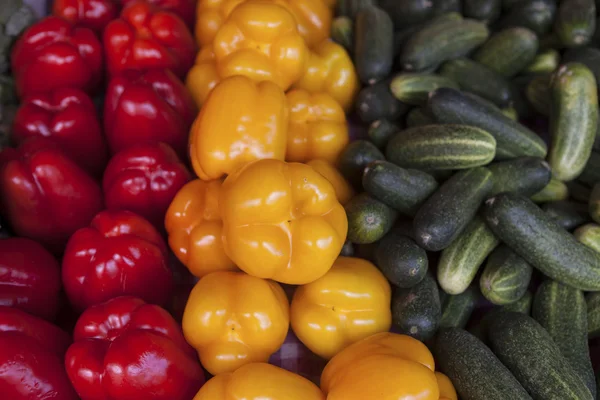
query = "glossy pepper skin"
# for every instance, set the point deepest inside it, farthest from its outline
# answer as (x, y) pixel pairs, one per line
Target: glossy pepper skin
(144, 179)
(233, 319)
(45, 196)
(447, 391)
(184, 9)
(29, 277)
(347, 304)
(93, 14)
(254, 127)
(148, 107)
(120, 253)
(330, 70)
(54, 53)
(317, 129)
(259, 381)
(282, 221)
(343, 190)
(203, 77)
(126, 349)
(398, 365)
(193, 223)
(146, 37)
(68, 117)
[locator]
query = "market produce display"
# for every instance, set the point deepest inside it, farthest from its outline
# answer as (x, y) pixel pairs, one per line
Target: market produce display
(300, 200)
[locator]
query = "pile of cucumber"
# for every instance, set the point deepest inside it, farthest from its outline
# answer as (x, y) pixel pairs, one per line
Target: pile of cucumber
(479, 184)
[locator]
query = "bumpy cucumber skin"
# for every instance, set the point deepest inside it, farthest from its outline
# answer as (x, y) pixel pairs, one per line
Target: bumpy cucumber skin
(589, 235)
(555, 190)
(475, 371)
(594, 205)
(593, 314)
(527, 349)
(368, 219)
(401, 260)
(524, 175)
(373, 45)
(542, 242)
(418, 117)
(448, 211)
(505, 277)
(461, 260)
(523, 305)
(536, 15)
(457, 309)
(562, 311)
(575, 22)
(377, 102)
(573, 121)
(568, 214)
(355, 158)
(487, 11)
(414, 88)
(538, 94)
(381, 131)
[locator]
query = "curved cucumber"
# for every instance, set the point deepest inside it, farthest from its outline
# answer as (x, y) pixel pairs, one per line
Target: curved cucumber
(373, 44)
(413, 88)
(555, 190)
(524, 175)
(505, 277)
(399, 258)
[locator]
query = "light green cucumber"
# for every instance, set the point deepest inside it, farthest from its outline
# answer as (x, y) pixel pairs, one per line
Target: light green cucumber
(505, 277)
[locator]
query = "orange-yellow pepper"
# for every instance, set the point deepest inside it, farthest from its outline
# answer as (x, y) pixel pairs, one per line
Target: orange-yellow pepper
(233, 319)
(343, 191)
(202, 77)
(330, 3)
(317, 129)
(193, 223)
(330, 70)
(259, 381)
(347, 304)
(282, 221)
(384, 366)
(447, 391)
(241, 121)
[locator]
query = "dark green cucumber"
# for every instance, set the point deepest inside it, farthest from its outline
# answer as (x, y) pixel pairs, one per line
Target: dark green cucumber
(342, 32)
(544, 62)
(461, 260)
(413, 88)
(573, 121)
(377, 102)
(542, 242)
(441, 7)
(509, 51)
(575, 22)
(555, 190)
(475, 371)
(591, 172)
(407, 12)
(538, 94)
(368, 219)
(529, 352)
(568, 214)
(512, 138)
(536, 15)
(448, 211)
(505, 277)
(484, 10)
(355, 158)
(349, 8)
(438, 147)
(402, 189)
(475, 78)
(457, 309)
(524, 175)
(588, 56)
(593, 314)
(579, 191)
(381, 131)
(437, 43)
(399, 258)
(418, 117)
(347, 249)
(373, 45)
(589, 235)
(523, 305)
(416, 311)
(594, 203)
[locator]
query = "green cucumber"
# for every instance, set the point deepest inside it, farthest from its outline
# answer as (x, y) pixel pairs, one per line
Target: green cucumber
(413, 88)
(542, 242)
(568, 214)
(588, 56)
(575, 22)
(484, 10)
(347, 249)
(593, 314)
(416, 311)
(355, 158)
(461, 260)
(373, 45)
(441, 7)
(381, 131)
(509, 51)
(368, 219)
(538, 94)
(573, 121)
(513, 140)
(505, 277)
(407, 12)
(457, 309)
(448, 211)
(342, 32)
(589, 235)
(594, 203)
(555, 190)
(399, 258)
(418, 117)
(440, 42)
(536, 15)
(544, 63)
(523, 175)
(529, 352)
(591, 172)
(377, 102)
(579, 191)
(349, 8)
(475, 78)
(474, 370)
(401, 189)
(523, 305)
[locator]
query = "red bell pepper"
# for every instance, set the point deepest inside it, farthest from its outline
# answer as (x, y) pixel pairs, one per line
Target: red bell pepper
(44, 195)
(148, 107)
(54, 53)
(185, 9)
(93, 14)
(144, 179)
(146, 37)
(31, 358)
(120, 253)
(127, 349)
(67, 116)
(29, 277)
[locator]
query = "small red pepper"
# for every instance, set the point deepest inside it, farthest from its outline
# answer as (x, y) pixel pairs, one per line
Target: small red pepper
(185, 9)
(54, 53)
(93, 14)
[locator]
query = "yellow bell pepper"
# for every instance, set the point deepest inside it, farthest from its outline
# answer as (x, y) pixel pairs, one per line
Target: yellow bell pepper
(203, 76)
(193, 223)
(330, 3)
(282, 221)
(259, 381)
(210, 15)
(330, 70)
(447, 391)
(260, 40)
(343, 191)
(317, 128)
(241, 121)
(384, 366)
(233, 319)
(347, 304)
